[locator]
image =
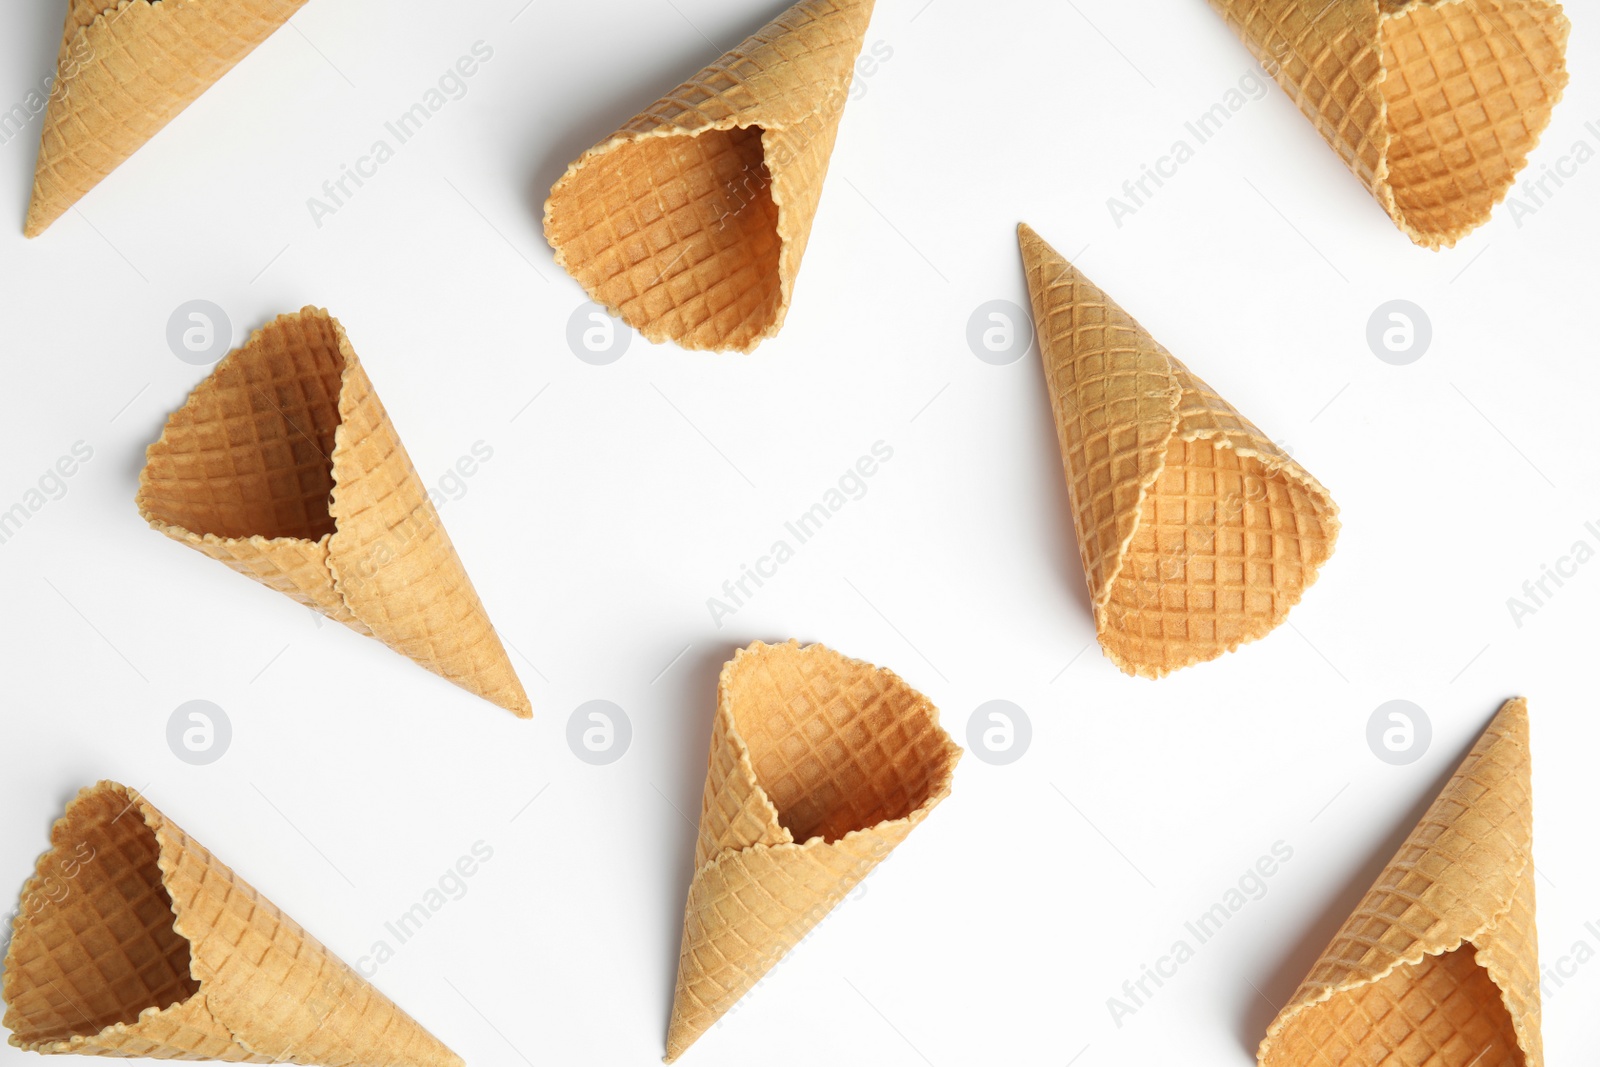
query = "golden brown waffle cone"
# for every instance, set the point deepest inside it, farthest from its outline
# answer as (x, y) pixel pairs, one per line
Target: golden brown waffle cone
(1439, 966)
(690, 221)
(1433, 104)
(126, 68)
(283, 465)
(1197, 532)
(820, 765)
(133, 940)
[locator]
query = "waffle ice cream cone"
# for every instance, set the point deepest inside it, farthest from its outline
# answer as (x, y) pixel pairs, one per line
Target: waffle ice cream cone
(820, 765)
(1439, 966)
(133, 940)
(283, 464)
(1433, 104)
(1197, 532)
(126, 69)
(690, 221)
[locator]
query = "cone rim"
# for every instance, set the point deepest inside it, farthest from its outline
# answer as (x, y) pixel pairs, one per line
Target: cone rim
(938, 786)
(745, 118)
(146, 492)
(518, 703)
(1438, 239)
(154, 821)
(1039, 253)
(1517, 709)
(653, 332)
(948, 756)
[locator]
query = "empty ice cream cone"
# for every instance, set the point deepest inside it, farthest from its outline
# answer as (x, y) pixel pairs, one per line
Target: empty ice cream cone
(691, 220)
(134, 941)
(820, 765)
(283, 464)
(1439, 965)
(1197, 532)
(1433, 104)
(126, 69)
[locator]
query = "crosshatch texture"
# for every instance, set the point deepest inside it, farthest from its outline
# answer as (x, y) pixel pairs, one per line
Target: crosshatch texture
(1197, 532)
(690, 222)
(1439, 964)
(1433, 104)
(820, 765)
(157, 949)
(283, 465)
(125, 70)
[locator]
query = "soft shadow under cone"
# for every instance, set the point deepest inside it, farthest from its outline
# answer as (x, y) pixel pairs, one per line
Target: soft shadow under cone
(1433, 104)
(820, 765)
(691, 220)
(1439, 966)
(132, 940)
(283, 464)
(126, 69)
(1197, 532)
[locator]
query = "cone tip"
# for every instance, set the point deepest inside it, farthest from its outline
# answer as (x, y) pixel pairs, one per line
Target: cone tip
(41, 212)
(1513, 716)
(679, 1037)
(1035, 249)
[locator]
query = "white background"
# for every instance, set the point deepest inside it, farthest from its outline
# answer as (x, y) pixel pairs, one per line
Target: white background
(607, 517)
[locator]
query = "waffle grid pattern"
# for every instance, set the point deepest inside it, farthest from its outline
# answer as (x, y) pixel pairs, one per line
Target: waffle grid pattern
(1197, 533)
(394, 564)
(124, 71)
(1223, 549)
(1113, 404)
(1433, 104)
(254, 987)
(259, 441)
(832, 741)
(1458, 899)
(284, 465)
(680, 232)
(99, 948)
(700, 243)
(1470, 87)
